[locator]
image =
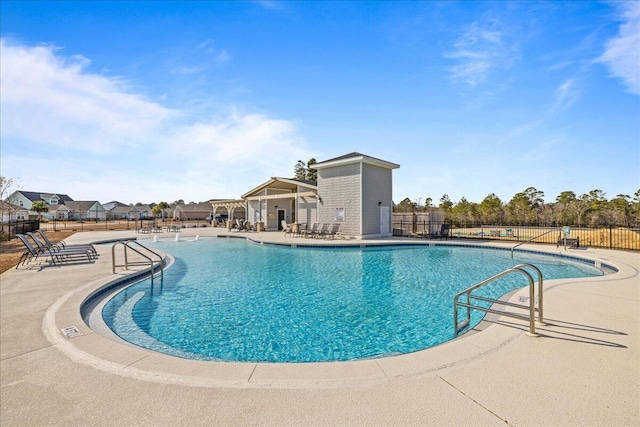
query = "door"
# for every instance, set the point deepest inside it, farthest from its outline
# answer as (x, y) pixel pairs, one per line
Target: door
(384, 220)
(280, 218)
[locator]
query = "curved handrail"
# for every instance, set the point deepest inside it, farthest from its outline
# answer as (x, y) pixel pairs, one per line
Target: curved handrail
(126, 264)
(532, 306)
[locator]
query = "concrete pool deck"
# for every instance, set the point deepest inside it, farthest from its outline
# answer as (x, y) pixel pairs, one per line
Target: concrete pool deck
(584, 369)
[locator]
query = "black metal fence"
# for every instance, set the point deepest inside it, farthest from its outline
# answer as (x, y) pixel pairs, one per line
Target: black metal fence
(11, 228)
(610, 237)
(120, 224)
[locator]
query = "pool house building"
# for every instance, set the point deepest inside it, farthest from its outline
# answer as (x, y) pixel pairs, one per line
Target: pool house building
(354, 190)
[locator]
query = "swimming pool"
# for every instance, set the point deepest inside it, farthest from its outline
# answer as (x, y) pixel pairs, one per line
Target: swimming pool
(227, 299)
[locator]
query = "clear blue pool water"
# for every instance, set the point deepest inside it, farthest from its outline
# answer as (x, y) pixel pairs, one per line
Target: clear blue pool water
(228, 299)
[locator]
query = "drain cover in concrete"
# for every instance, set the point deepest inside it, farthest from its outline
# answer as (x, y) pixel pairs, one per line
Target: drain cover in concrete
(71, 332)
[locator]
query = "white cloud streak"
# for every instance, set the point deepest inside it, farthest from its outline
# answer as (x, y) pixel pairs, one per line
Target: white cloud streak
(622, 53)
(50, 100)
(77, 126)
(480, 49)
(566, 94)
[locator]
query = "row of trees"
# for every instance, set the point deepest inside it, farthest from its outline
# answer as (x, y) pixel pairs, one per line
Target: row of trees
(529, 208)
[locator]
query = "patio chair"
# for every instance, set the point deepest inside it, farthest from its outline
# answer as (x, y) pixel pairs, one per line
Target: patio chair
(64, 245)
(301, 229)
(324, 231)
(335, 228)
(286, 228)
(312, 231)
(76, 250)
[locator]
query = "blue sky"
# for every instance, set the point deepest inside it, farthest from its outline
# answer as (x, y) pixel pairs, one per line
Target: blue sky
(151, 101)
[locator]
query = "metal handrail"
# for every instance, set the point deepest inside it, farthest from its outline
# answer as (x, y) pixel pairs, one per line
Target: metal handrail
(532, 239)
(459, 326)
(126, 264)
(540, 290)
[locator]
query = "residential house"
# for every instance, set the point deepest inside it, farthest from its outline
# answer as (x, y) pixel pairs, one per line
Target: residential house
(11, 212)
(25, 199)
(86, 210)
(192, 211)
(60, 212)
(110, 205)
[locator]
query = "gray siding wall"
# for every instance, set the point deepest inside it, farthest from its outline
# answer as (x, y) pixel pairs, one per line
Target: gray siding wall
(376, 187)
(339, 187)
(16, 198)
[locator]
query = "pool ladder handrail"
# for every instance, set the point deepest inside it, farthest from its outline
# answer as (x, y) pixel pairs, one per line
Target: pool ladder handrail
(520, 269)
(532, 239)
(151, 261)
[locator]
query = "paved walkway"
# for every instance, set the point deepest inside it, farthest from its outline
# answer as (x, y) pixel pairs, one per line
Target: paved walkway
(584, 369)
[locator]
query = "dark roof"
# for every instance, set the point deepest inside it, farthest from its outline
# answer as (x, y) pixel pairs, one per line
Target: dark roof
(37, 195)
(355, 155)
(346, 156)
(116, 203)
(81, 206)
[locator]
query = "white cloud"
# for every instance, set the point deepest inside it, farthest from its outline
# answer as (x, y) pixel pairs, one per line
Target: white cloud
(63, 126)
(480, 50)
(566, 94)
(219, 55)
(622, 53)
(53, 101)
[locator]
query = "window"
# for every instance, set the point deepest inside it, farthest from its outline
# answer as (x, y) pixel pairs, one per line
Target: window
(339, 214)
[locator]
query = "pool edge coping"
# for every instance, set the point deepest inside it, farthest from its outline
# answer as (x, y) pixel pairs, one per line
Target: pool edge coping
(147, 365)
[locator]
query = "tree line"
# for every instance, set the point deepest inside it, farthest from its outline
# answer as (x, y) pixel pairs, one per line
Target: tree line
(529, 208)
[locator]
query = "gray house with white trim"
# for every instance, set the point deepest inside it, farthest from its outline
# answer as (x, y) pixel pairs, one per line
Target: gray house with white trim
(355, 190)
(25, 199)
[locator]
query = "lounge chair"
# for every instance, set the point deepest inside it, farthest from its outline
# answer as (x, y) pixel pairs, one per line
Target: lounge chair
(442, 234)
(55, 249)
(301, 229)
(61, 244)
(60, 256)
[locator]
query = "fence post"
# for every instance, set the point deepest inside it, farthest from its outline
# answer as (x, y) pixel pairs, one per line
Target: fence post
(610, 236)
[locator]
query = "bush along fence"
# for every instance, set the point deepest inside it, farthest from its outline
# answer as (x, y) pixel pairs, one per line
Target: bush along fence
(10, 229)
(609, 237)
